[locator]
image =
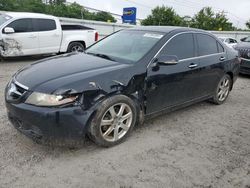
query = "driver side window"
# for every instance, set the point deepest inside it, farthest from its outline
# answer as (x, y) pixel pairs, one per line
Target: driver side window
(181, 46)
(22, 25)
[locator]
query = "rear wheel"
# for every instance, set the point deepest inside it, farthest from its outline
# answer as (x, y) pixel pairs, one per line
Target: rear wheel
(113, 121)
(76, 47)
(223, 90)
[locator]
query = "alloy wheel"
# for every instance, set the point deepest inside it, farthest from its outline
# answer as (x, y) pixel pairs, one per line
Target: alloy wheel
(76, 49)
(116, 122)
(223, 89)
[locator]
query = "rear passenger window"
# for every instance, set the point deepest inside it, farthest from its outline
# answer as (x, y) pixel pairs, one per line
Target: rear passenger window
(206, 45)
(182, 46)
(220, 48)
(22, 25)
(44, 24)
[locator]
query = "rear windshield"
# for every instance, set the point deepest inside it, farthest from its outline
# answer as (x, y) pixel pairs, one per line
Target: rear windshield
(4, 18)
(75, 27)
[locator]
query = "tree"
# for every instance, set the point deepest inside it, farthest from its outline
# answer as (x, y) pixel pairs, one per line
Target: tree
(208, 20)
(248, 24)
(104, 16)
(163, 16)
(54, 7)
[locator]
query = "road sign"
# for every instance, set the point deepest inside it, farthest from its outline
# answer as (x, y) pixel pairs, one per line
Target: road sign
(129, 15)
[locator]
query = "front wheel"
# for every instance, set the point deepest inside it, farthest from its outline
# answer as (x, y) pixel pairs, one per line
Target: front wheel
(113, 121)
(223, 90)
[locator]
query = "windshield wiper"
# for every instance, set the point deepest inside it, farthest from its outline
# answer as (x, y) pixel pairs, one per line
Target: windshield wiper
(101, 55)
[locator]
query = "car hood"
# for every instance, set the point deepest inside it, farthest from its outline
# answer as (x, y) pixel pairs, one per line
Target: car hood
(65, 72)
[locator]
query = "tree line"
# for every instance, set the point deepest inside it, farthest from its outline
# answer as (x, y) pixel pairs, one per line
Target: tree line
(206, 18)
(55, 7)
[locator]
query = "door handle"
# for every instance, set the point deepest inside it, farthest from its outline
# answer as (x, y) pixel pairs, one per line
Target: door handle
(222, 58)
(191, 66)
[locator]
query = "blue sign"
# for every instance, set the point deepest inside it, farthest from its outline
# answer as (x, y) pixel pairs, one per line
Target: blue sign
(129, 15)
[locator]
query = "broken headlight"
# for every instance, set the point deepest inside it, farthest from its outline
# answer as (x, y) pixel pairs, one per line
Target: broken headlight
(42, 99)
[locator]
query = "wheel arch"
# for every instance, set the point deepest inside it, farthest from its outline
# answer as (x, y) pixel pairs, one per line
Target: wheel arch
(232, 78)
(80, 41)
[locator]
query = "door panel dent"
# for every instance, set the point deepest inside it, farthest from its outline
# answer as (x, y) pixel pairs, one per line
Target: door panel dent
(10, 47)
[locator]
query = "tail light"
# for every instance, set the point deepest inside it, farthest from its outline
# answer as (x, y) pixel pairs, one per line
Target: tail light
(96, 36)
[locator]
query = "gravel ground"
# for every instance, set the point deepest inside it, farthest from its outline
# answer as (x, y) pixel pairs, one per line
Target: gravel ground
(203, 145)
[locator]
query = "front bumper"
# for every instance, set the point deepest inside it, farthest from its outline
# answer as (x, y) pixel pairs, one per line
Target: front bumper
(57, 126)
(245, 66)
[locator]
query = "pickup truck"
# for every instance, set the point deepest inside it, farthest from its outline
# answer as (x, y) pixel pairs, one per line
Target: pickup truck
(24, 34)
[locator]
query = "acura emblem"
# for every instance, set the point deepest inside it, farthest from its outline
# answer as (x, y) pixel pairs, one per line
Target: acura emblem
(248, 54)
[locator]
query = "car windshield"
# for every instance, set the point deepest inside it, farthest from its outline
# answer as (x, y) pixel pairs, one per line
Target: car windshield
(4, 18)
(127, 46)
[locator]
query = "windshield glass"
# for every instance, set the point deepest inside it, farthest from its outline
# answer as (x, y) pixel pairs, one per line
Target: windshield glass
(127, 46)
(3, 18)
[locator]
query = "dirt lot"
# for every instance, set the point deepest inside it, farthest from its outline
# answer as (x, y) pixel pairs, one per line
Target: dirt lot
(200, 146)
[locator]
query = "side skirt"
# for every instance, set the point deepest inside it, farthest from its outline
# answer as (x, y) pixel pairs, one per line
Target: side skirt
(176, 107)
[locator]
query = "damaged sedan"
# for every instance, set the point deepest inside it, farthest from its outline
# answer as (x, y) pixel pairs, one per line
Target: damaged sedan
(120, 81)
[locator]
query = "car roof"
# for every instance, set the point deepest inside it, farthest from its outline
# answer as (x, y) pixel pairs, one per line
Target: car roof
(165, 29)
(27, 15)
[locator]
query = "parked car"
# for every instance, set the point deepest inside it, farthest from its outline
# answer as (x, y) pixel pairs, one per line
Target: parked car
(131, 75)
(23, 34)
(244, 51)
(230, 42)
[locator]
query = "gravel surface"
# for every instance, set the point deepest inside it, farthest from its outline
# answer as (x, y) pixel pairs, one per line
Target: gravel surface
(203, 145)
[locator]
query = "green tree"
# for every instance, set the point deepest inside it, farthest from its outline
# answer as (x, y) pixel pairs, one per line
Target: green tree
(248, 24)
(54, 7)
(208, 20)
(104, 16)
(163, 16)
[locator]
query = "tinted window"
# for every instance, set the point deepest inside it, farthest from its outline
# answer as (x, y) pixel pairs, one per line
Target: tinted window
(182, 46)
(206, 44)
(220, 48)
(75, 27)
(44, 24)
(22, 25)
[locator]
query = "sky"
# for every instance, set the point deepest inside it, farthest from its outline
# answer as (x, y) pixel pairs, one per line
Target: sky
(238, 11)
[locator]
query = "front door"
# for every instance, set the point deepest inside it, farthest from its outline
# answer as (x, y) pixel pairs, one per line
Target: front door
(24, 41)
(171, 85)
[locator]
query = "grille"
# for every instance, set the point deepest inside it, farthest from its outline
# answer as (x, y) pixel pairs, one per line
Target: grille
(245, 53)
(15, 91)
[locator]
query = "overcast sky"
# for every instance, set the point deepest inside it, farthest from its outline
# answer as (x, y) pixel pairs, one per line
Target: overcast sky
(238, 11)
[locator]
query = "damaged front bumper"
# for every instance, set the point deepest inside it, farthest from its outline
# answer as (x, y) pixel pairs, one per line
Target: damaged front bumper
(53, 126)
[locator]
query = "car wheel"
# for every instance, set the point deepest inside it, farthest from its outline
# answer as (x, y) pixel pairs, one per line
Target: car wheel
(222, 90)
(113, 121)
(76, 47)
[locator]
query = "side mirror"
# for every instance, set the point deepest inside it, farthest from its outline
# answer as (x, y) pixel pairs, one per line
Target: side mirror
(167, 60)
(9, 30)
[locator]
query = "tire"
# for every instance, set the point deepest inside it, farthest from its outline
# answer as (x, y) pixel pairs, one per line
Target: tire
(111, 125)
(222, 90)
(76, 47)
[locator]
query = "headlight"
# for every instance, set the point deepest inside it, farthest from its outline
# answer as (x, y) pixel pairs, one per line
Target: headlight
(41, 99)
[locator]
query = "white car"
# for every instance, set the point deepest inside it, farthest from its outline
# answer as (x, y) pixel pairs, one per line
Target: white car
(230, 42)
(23, 34)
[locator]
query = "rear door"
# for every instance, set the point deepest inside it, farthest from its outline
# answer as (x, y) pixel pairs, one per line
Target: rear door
(212, 57)
(174, 84)
(24, 41)
(49, 35)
